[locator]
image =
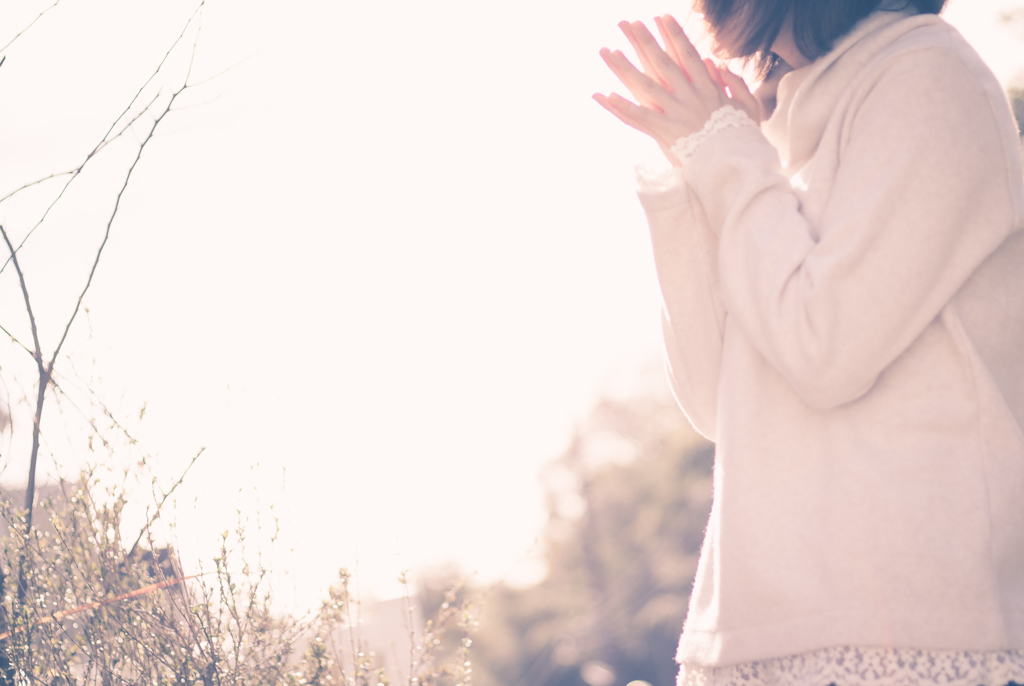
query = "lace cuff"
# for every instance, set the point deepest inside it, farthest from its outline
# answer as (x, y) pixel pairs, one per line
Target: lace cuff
(726, 117)
(656, 178)
(858, 666)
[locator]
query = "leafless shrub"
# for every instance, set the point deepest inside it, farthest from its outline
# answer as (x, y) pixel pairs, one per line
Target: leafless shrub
(88, 608)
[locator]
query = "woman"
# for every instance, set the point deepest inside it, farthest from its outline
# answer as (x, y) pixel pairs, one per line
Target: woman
(844, 316)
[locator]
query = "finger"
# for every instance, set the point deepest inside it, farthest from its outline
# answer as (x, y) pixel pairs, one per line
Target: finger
(714, 72)
(690, 59)
(604, 102)
(648, 68)
(631, 114)
(670, 47)
(675, 79)
(646, 90)
(741, 94)
(645, 61)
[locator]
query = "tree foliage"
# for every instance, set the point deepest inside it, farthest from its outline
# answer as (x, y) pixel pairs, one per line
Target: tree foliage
(628, 503)
(1016, 95)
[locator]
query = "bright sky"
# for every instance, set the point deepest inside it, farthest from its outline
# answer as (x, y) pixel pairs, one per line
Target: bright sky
(377, 270)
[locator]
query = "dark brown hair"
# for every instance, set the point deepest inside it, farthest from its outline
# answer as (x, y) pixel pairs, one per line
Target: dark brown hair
(817, 24)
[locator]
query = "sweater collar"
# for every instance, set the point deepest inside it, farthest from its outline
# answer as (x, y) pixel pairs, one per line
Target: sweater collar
(807, 97)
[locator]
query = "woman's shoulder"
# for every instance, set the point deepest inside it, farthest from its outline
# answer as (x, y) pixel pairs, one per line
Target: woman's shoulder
(937, 51)
(931, 82)
(930, 64)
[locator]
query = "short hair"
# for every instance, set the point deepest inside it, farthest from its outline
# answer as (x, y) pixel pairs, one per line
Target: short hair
(817, 24)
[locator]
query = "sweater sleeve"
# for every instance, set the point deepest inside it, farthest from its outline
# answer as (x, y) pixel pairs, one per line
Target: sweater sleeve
(921, 195)
(685, 255)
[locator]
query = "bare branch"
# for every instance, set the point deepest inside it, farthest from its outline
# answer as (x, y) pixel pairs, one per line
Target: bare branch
(120, 193)
(108, 140)
(107, 137)
(15, 340)
(46, 372)
(50, 207)
(222, 72)
(106, 235)
(30, 488)
(89, 420)
(106, 411)
(31, 24)
(202, 103)
(195, 45)
(36, 183)
(74, 173)
(159, 505)
(38, 354)
(151, 76)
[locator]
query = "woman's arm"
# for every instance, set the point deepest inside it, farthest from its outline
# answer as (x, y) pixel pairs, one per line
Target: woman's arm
(693, 318)
(924, 189)
(922, 194)
(685, 246)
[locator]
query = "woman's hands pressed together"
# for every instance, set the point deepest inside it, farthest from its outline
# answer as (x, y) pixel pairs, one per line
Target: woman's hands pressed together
(677, 91)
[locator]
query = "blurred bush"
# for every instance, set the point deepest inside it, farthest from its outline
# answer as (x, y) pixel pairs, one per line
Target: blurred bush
(628, 503)
(78, 606)
(1016, 96)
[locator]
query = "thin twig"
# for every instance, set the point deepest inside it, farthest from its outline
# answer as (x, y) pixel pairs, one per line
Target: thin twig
(159, 505)
(202, 103)
(224, 71)
(57, 616)
(90, 421)
(106, 235)
(107, 138)
(151, 76)
(36, 182)
(15, 340)
(11, 42)
(38, 355)
(74, 174)
(43, 378)
(195, 44)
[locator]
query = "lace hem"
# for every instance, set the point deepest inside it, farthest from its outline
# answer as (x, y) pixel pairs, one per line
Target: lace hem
(726, 117)
(858, 666)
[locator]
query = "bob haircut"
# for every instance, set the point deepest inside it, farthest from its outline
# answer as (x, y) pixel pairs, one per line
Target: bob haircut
(817, 24)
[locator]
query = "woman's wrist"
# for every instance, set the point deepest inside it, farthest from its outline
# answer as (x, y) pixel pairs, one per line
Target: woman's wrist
(724, 118)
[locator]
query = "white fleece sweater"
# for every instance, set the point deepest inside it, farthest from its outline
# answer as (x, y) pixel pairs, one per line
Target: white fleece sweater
(844, 317)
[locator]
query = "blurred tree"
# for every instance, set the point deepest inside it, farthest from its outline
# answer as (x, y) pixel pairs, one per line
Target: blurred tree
(1014, 18)
(1016, 95)
(628, 503)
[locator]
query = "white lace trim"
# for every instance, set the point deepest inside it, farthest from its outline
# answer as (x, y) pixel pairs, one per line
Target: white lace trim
(656, 177)
(857, 666)
(726, 117)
